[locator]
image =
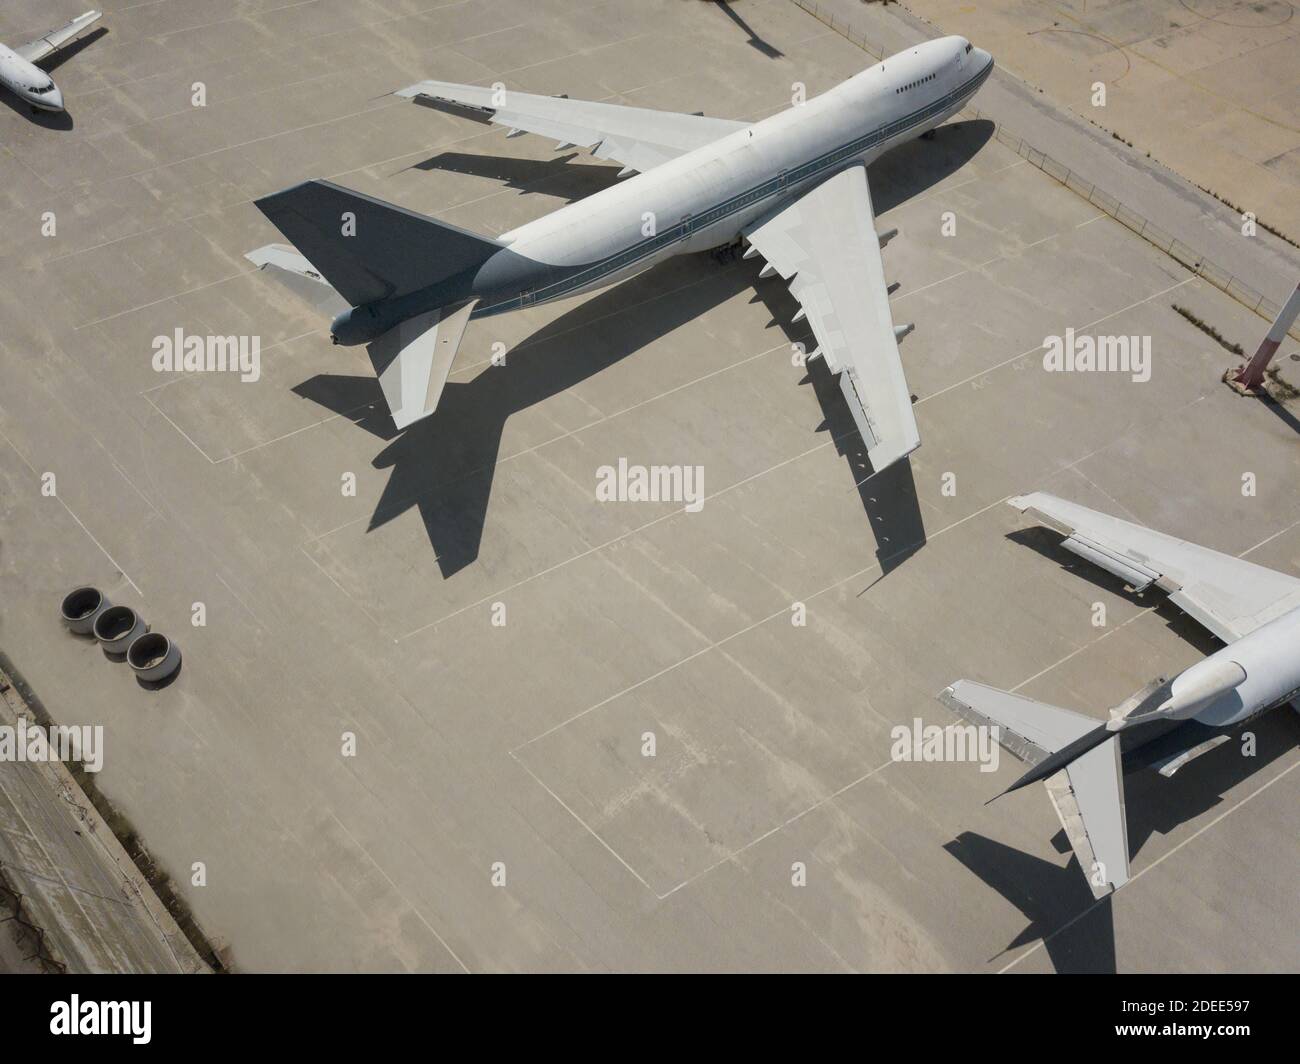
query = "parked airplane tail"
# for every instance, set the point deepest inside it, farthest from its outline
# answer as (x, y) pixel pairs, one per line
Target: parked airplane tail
(354, 251)
(1078, 759)
(369, 250)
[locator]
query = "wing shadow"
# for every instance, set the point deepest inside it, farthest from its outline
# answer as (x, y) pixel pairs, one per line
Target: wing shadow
(1049, 543)
(552, 177)
(55, 60)
(444, 465)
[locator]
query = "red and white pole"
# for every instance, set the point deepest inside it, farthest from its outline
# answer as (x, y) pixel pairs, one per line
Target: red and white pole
(1251, 375)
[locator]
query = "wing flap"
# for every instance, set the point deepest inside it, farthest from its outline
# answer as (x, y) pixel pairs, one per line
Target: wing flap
(825, 244)
(52, 41)
(1229, 596)
(637, 137)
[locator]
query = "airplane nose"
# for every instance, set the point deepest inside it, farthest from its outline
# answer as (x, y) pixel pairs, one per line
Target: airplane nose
(982, 58)
(54, 99)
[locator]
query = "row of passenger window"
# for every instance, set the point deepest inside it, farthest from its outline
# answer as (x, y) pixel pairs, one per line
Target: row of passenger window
(715, 213)
(914, 84)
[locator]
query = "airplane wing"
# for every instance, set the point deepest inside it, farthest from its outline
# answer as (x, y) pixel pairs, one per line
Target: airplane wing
(56, 39)
(1088, 794)
(637, 137)
(1229, 596)
(825, 243)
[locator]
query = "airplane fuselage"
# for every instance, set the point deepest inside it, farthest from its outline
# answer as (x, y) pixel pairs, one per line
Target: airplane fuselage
(28, 81)
(1270, 658)
(706, 197)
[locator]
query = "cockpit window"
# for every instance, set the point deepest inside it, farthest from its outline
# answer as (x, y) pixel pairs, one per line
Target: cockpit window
(43, 89)
(968, 49)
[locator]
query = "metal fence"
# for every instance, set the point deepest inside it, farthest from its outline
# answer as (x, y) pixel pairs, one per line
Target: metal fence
(1103, 201)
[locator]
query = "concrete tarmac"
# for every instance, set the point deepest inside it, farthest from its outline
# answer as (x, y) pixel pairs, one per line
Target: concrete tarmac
(365, 769)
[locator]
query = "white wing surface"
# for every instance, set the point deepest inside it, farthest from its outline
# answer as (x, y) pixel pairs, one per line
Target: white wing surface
(52, 41)
(637, 137)
(1229, 596)
(825, 244)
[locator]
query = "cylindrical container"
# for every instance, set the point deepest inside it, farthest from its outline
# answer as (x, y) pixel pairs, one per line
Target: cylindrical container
(82, 607)
(153, 657)
(116, 627)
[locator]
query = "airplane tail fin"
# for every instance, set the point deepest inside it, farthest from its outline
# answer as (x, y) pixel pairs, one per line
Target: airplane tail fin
(351, 250)
(369, 250)
(1080, 763)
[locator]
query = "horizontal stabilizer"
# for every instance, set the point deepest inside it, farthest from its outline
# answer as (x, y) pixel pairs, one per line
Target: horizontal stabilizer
(1090, 804)
(413, 360)
(1030, 730)
(299, 276)
(1087, 793)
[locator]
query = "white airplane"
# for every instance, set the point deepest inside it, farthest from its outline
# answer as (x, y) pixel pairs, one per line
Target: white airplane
(20, 74)
(793, 185)
(1254, 610)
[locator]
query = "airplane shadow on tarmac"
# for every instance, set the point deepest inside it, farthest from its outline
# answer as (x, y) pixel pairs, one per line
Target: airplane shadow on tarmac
(444, 465)
(552, 177)
(1078, 931)
(60, 121)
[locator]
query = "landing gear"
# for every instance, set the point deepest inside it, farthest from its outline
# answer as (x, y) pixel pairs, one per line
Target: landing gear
(929, 134)
(727, 253)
